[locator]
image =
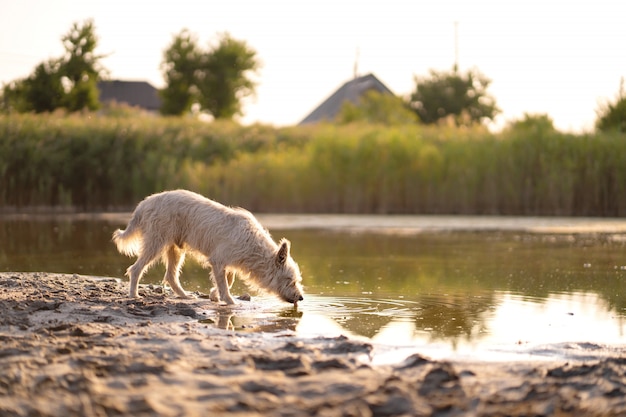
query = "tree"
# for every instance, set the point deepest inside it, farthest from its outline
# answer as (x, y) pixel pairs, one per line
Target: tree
(612, 116)
(80, 67)
(181, 60)
(224, 80)
(375, 107)
(217, 79)
(42, 91)
(69, 81)
(13, 97)
(461, 97)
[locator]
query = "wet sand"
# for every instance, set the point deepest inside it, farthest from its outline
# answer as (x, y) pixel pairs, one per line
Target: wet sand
(78, 346)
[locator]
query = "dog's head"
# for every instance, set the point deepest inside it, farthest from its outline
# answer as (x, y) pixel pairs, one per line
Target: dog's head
(288, 274)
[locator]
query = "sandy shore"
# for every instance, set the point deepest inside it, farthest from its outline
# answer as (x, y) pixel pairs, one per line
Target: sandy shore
(77, 346)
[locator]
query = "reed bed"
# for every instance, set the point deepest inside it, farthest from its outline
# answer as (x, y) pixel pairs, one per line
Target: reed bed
(95, 162)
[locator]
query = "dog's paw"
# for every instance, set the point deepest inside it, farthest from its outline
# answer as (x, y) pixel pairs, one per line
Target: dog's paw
(213, 295)
(187, 296)
(229, 301)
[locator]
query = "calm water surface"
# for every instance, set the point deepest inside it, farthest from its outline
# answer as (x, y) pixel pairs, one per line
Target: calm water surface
(462, 289)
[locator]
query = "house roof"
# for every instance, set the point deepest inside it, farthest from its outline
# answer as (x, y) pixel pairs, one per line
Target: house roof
(134, 93)
(350, 91)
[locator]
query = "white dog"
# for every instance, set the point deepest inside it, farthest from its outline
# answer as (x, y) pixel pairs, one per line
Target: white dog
(169, 224)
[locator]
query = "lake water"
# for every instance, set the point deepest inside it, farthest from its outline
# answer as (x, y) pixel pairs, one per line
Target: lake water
(475, 286)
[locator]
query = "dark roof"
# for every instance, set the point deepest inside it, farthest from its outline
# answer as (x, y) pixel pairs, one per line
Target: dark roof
(350, 91)
(134, 93)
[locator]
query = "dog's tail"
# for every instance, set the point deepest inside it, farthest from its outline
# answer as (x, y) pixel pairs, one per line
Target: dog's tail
(130, 241)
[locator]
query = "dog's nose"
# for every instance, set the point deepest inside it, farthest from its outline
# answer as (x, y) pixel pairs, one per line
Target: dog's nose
(301, 298)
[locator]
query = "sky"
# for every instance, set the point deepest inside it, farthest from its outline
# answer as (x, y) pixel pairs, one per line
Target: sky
(561, 58)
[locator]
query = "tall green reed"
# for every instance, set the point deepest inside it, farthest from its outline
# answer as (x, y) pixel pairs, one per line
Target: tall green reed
(103, 162)
(95, 162)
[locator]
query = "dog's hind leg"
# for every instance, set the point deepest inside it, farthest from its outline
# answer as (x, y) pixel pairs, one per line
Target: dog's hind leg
(148, 255)
(136, 271)
(174, 259)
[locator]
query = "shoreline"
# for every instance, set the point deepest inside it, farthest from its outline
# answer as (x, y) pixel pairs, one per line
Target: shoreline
(77, 345)
(383, 223)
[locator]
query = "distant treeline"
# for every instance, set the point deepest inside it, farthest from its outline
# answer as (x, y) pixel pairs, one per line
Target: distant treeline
(91, 162)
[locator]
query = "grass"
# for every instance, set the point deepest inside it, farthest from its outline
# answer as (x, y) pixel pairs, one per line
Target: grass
(97, 162)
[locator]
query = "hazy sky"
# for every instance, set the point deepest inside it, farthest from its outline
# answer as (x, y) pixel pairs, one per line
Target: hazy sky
(543, 56)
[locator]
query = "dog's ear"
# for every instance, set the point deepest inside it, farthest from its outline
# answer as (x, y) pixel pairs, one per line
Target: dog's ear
(283, 252)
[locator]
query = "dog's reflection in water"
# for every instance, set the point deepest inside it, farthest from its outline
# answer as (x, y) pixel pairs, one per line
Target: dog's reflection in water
(284, 320)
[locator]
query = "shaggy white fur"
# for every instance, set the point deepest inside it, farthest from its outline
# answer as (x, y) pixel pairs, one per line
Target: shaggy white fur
(170, 224)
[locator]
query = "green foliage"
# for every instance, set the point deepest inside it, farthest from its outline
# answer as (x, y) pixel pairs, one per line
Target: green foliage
(93, 161)
(224, 81)
(428, 170)
(612, 116)
(80, 67)
(530, 123)
(44, 88)
(41, 92)
(463, 98)
(377, 108)
(217, 79)
(69, 82)
(99, 162)
(180, 62)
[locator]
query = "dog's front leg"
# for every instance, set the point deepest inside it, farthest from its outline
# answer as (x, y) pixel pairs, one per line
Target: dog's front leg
(219, 275)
